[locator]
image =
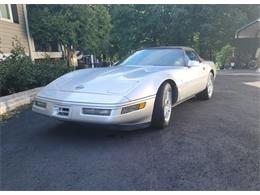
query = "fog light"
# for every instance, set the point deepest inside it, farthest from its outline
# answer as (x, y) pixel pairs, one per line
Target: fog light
(133, 108)
(40, 104)
(96, 111)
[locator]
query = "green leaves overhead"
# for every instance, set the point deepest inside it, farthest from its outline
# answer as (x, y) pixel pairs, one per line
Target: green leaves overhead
(205, 27)
(116, 30)
(82, 27)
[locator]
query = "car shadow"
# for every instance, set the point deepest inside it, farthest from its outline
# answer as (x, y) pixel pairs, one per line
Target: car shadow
(83, 131)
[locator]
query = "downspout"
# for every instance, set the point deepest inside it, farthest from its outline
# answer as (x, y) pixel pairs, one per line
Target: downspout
(28, 32)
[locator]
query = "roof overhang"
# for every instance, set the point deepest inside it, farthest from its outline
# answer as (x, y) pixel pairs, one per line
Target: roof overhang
(251, 30)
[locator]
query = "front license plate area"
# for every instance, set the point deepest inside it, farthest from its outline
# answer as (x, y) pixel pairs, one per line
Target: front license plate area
(61, 111)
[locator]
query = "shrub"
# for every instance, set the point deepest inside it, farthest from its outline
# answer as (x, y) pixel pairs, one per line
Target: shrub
(225, 55)
(47, 70)
(19, 73)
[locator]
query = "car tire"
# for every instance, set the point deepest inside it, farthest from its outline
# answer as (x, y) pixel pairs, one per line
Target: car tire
(162, 107)
(207, 93)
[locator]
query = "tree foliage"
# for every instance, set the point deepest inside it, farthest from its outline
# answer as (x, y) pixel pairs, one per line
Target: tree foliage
(116, 30)
(207, 28)
(224, 56)
(75, 27)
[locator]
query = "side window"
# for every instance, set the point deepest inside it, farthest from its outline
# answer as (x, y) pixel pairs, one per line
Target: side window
(192, 56)
(6, 12)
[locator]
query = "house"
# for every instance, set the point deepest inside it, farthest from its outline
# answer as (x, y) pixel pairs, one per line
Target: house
(14, 24)
(247, 39)
(251, 30)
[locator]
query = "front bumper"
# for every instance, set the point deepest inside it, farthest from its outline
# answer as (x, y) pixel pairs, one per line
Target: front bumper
(73, 111)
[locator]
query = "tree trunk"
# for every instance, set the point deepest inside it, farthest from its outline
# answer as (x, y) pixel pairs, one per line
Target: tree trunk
(69, 55)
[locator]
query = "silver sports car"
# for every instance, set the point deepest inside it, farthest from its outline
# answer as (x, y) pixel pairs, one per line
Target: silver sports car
(139, 90)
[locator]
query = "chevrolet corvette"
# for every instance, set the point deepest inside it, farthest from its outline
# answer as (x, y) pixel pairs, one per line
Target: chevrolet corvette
(140, 90)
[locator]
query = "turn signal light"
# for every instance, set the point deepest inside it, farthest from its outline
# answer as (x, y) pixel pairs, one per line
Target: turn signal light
(133, 108)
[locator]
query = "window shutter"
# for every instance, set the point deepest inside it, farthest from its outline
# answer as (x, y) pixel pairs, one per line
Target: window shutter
(15, 13)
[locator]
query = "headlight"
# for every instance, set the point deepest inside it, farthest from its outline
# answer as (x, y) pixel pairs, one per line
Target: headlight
(133, 108)
(96, 111)
(40, 104)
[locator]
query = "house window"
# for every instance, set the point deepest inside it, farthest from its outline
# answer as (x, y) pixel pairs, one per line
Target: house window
(6, 12)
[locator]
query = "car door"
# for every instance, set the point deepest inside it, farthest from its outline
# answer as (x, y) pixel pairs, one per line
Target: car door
(195, 73)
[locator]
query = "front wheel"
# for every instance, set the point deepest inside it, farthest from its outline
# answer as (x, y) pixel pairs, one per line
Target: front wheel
(162, 107)
(206, 94)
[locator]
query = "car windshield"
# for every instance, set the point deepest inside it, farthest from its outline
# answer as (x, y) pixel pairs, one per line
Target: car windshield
(155, 57)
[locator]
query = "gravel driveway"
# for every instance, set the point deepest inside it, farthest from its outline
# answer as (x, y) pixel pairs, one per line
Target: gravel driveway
(210, 145)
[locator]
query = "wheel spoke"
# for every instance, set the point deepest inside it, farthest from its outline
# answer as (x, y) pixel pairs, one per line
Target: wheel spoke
(167, 104)
(210, 86)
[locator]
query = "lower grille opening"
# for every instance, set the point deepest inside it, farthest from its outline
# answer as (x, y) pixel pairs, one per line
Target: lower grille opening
(62, 111)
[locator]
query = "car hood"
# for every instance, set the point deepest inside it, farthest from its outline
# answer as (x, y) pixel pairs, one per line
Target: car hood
(111, 80)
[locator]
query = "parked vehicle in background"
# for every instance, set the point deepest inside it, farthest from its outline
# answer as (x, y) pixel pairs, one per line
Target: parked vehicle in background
(90, 61)
(86, 61)
(139, 90)
(252, 64)
(246, 62)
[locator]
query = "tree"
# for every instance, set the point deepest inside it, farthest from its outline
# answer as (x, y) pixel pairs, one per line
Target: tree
(75, 27)
(117, 30)
(207, 28)
(125, 29)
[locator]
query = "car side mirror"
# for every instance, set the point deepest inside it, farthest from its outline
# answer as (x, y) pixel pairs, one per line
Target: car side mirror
(193, 63)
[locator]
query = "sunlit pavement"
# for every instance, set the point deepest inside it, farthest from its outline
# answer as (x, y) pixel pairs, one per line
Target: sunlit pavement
(210, 145)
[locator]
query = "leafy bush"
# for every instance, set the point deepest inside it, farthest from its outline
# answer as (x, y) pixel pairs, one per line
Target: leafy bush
(47, 70)
(19, 73)
(224, 56)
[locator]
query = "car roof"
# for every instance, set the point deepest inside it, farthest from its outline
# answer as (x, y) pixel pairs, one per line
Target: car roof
(170, 47)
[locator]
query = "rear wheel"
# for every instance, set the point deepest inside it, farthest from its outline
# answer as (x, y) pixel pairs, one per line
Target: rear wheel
(162, 107)
(206, 94)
